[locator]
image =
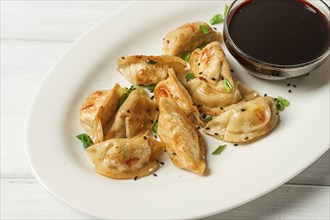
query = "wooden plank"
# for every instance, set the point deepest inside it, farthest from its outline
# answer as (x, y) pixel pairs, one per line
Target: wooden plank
(52, 20)
(21, 199)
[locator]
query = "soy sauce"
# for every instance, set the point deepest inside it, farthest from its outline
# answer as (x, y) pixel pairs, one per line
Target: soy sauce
(282, 32)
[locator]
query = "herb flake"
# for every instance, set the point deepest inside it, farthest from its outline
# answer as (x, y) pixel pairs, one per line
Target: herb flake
(190, 76)
(186, 57)
(219, 149)
(208, 118)
(281, 103)
(227, 85)
(204, 29)
(151, 88)
(85, 140)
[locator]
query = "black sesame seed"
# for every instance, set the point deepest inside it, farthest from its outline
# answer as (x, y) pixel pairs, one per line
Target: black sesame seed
(152, 97)
(145, 138)
(135, 178)
(289, 91)
(174, 153)
(222, 78)
(199, 106)
(200, 73)
(289, 84)
(265, 94)
(168, 41)
(215, 28)
(161, 163)
(148, 110)
(155, 136)
(203, 116)
(221, 108)
(213, 78)
(198, 64)
(231, 70)
(123, 58)
(216, 134)
(198, 127)
(243, 109)
(207, 128)
(294, 85)
(154, 174)
(246, 138)
(235, 145)
(128, 111)
(152, 121)
(157, 109)
(275, 99)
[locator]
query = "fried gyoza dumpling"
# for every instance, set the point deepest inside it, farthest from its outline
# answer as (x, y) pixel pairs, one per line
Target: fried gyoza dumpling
(210, 63)
(135, 117)
(148, 70)
(126, 158)
(98, 109)
(212, 72)
(188, 37)
(173, 89)
(244, 121)
(183, 142)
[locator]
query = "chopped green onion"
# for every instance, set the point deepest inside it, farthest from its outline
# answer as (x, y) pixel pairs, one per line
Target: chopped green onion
(216, 19)
(226, 10)
(155, 127)
(151, 62)
(151, 88)
(186, 57)
(208, 119)
(85, 140)
(125, 96)
(190, 76)
(204, 29)
(281, 103)
(227, 85)
(219, 149)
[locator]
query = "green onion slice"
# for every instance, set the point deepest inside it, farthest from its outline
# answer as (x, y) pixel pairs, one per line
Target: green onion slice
(227, 85)
(151, 88)
(226, 10)
(186, 57)
(151, 62)
(281, 103)
(219, 149)
(190, 76)
(85, 140)
(208, 118)
(155, 127)
(216, 19)
(204, 29)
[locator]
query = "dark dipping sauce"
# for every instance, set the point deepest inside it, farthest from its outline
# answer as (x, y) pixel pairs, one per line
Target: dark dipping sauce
(280, 32)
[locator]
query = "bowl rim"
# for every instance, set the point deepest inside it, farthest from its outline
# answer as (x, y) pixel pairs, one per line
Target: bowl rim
(275, 66)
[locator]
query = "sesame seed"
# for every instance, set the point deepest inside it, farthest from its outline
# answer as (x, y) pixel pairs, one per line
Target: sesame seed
(235, 145)
(289, 91)
(294, 85)
(200, 73)
(246, 138)
(154, 174)
(145, 138)
(123, 58)
(216, 134)
(265, 94)
(152, 97)
(243, 109)
(207, 128)
(289, 84)
(135, 178)
(213, 78)
(174, 153)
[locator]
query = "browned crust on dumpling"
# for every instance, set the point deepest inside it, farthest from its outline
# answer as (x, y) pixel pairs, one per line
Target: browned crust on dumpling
(188, 37)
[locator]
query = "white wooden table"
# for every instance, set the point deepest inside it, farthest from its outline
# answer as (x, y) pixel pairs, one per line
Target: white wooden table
(33, 35)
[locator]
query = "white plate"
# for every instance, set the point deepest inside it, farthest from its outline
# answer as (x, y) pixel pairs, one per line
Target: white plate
(240, 174)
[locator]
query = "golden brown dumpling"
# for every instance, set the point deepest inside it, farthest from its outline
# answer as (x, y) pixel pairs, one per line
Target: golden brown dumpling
(183, 142)
(126, 158)
(135, 117)
(188, 37)
(210, 63)
(173, 89)
(244, 121)
(212, 72)
(148, 70)
(98, 109)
